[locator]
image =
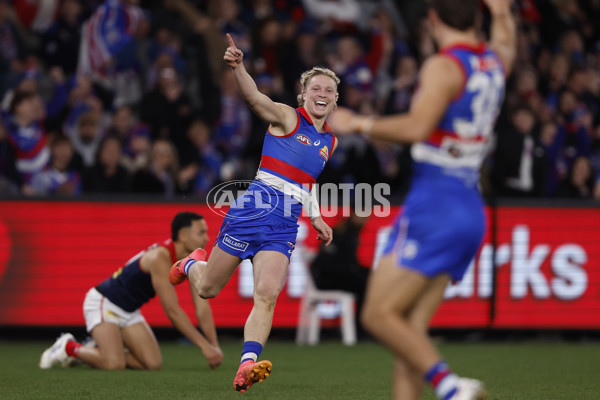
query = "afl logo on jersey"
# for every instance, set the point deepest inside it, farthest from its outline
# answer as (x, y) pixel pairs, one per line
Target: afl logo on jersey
(324, 152)
(303, 139)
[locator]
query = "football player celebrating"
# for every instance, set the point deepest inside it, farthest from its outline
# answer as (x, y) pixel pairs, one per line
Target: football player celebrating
(262, 224)
(442, 222)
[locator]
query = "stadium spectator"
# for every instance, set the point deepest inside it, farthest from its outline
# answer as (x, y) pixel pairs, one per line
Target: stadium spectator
(160, 174)
(107, 175)
(60, 43)
(520, 160)
(112, 309)
(10, 179)
(13, 50)
(233, 129)
(58, 178)
(135, 137)
(40, 50)
(267, 39)
(86, 137)
(26, 134)
(402, 87)
(167, 109)
(108, 49)
(580, 182)
(202, 162)
(300, 53)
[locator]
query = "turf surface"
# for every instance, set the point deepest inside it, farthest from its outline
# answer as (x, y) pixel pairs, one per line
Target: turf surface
(329, 371)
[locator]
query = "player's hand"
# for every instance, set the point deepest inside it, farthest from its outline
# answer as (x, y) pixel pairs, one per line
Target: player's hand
(343, 121)
(325, 232)
(213, 355)
(498, 7)
(233, 56)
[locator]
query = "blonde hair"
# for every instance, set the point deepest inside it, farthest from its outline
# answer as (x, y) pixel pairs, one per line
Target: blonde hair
(308, 75)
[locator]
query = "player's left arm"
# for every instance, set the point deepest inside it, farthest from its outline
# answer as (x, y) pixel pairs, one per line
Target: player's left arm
(159, 262)
(441, 79)
(205, 318)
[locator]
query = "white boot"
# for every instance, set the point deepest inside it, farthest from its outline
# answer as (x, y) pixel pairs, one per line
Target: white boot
(56, 353)
(470, 389)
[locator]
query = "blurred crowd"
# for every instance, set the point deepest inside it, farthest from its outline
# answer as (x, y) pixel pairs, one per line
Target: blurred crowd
(125, 96)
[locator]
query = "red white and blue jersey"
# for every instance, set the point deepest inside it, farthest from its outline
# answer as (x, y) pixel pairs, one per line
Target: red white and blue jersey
(31, 147)
(443, 222)
(292, 163)
(130, 286)
(461, 139)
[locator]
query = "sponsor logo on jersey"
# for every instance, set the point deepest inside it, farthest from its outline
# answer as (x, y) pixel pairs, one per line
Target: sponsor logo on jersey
(303, 139)
(235, 244)
(324, 152)
(317, 142)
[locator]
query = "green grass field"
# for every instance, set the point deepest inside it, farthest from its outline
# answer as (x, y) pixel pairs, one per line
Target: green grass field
(329, 371)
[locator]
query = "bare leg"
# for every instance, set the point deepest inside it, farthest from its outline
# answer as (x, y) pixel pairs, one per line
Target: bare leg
(270, 272)
(110, 353)
(408, 385)
(408, 382)
(391, 293)
(143, 347)
(208, 278)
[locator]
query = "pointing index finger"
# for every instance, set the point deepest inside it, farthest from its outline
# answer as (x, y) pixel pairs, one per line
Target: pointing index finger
(230, 40)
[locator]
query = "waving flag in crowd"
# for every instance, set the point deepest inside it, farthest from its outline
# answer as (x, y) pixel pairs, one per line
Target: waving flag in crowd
(109, 30)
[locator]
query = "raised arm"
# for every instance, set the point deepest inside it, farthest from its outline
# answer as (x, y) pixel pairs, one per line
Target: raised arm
(160, 264)
(281, 117)
(503, 32)
(440, 81)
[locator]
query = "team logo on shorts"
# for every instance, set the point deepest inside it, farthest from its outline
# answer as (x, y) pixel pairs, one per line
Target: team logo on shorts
(410, 249)
(324, 152)
(234, 243)
(303, 139)
(110, 315)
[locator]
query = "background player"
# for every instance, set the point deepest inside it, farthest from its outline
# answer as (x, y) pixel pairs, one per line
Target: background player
(442, 224)
(112, 309)
(297, 145)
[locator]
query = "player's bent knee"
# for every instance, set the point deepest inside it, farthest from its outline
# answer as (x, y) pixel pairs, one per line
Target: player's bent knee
(266, 294)
(366, 320)
(153, 365)
(207, 292)
(267, 301)
(113, 364)
(370, 318)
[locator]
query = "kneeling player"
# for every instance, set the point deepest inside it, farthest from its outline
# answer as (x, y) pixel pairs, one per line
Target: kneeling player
(112, 309)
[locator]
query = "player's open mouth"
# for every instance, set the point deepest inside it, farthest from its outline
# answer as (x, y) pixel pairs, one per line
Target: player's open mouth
(320, 104)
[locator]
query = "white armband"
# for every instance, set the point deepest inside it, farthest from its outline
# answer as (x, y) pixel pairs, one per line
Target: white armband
(311, 205)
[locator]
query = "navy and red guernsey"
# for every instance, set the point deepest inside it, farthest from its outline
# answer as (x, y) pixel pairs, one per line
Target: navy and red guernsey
(130, 287)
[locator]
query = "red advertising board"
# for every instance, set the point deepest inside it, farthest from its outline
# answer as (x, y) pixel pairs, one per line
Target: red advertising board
(51, 253)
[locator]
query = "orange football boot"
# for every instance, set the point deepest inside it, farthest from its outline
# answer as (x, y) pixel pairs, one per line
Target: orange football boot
(177, 274)
(251, 372)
